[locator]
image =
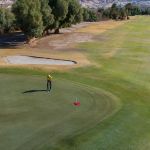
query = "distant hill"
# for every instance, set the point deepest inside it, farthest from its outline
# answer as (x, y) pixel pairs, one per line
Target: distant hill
(108, 3)
(94, 3)
(6, 3)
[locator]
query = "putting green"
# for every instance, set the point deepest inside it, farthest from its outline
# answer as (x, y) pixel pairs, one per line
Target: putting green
(31, 118)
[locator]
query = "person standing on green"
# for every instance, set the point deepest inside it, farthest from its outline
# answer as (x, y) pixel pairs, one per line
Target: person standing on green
(49, 82)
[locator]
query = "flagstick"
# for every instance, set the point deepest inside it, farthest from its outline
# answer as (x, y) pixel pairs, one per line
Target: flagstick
(76, 102)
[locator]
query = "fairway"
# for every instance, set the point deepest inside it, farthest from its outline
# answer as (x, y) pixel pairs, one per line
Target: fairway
(32, 118)
(113, 89)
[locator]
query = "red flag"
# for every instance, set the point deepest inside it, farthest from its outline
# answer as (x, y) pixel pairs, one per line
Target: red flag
(76, 103)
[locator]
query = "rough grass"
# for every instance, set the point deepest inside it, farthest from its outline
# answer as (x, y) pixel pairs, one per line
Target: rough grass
(100, 27)
(121, 58)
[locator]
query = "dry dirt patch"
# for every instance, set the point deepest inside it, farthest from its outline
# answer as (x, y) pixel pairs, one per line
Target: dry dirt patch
(70, 37)
(62, 46)
(100, 27)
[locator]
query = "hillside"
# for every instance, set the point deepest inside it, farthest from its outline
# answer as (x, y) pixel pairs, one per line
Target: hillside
(108, 3)
(6, 3)
(94, 3)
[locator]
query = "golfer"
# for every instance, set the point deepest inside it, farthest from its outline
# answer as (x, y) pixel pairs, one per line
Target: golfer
(49, 82)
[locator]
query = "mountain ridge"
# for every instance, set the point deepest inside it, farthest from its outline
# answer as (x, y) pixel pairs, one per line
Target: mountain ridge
(94, 3)
(108, 3)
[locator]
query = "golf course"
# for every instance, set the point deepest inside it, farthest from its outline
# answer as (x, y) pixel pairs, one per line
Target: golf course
(111, 80)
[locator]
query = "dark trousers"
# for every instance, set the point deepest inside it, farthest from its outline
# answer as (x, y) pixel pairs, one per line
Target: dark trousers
(49, 85)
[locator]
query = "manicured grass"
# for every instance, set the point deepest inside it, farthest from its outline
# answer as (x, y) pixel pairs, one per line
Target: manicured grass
(122, 68)
(122, 59)
(32, 118)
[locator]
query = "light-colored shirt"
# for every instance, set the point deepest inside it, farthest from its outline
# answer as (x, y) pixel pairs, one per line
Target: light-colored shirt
(49, 77)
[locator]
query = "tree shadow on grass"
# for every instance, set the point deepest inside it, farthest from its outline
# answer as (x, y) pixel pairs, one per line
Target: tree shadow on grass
(33, 91)
(12, 40)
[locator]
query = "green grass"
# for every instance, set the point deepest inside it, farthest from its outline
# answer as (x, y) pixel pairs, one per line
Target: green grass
(31, 118)
(126, 75)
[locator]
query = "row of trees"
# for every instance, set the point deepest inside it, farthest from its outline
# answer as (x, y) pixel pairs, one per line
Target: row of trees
(129, 9)
(37, 17)
(114, 12)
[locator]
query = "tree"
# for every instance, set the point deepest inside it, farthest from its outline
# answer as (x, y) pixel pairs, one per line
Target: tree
(59, 10)
(128, 8)
(145, 11)
(100, 13)
(47, 16)
(86, 15)
(29, 17)
(7, 19)
(132, 10)
(78, 16)
(89, 15)
(92, 16)
(74, 14)
(114, 13)
(122, 14)
(106, 13)
(66, 13)
(135, 10)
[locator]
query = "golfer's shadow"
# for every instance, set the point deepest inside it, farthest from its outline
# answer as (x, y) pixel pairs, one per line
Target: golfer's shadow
(33, 91)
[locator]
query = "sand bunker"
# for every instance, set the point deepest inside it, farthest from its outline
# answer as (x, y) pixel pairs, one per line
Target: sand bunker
(36, 60)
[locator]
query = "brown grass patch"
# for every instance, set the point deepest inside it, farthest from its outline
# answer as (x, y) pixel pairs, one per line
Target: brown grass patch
(100, 27)
(62, 46)
(75, 56)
